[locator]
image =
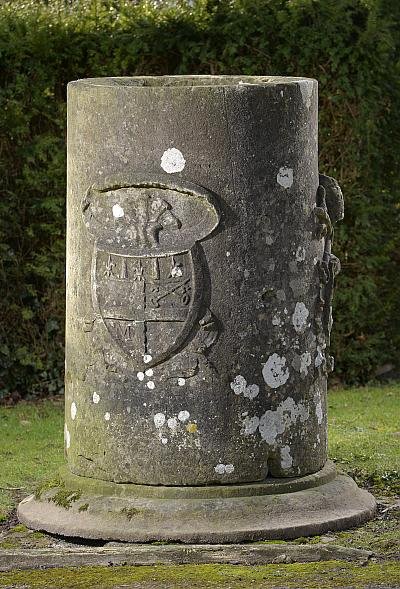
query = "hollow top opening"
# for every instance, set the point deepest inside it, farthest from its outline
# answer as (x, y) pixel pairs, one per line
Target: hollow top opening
(190, 81)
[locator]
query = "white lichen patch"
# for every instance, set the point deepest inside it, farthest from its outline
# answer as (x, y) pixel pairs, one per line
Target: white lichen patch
(147, 358)
(276, 320)
(299, 317)
(140, 375)
(150, 384)
(159, 419)
(181, 432)
(117, 211)
(239, 386)
(305, 362)
(107, 416)
(149, 372)
(274, 423)
(172, 161)
(300, 254)
(318, 412)
(224, 468)
(250, 425)
(164, 440)
(275, 372)
(95, 398)
(318, 406)
(286, 459)
(172, 423)
(285, 177)
(320, 357)
(183, 416)
(181, 381)
(73, 410)
(251, 391)
(67, 437)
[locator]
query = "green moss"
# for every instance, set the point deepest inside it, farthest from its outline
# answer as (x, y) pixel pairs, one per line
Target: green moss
(20, 536)
(332, 574)
(129, 512)
(380, 536)
(45, 486)
(37, 535)
(9, 544)
(65, 497)
(84, 507)
(19, 528)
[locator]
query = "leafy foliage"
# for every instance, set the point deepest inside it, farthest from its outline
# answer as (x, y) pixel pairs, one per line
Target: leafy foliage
(350, 46)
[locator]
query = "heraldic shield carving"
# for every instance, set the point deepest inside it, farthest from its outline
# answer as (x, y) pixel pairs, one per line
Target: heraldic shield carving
(148, 268)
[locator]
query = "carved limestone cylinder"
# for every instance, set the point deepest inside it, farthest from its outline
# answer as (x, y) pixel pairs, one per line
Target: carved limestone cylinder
(199, 279)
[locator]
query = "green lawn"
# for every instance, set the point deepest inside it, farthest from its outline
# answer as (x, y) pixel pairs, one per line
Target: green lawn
(364, 435)
(31, 448)
(364, 440)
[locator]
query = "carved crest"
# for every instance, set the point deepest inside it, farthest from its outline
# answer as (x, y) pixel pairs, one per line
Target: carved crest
(147, 266)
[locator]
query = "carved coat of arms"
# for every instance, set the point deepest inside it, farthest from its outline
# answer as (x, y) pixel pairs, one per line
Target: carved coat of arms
(148, 266)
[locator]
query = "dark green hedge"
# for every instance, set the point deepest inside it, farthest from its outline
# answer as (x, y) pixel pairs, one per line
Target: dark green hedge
(350, 46)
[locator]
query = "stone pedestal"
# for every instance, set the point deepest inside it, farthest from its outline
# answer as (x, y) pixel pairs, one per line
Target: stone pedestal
(199, 287)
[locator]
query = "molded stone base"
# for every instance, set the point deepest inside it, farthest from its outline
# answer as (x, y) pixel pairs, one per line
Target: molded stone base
(276, 509)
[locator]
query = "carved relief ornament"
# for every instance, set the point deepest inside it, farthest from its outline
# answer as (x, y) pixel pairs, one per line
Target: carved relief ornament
(148, 268)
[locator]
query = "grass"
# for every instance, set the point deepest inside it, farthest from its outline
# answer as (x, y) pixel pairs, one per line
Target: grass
(31, 448)
(364, 435)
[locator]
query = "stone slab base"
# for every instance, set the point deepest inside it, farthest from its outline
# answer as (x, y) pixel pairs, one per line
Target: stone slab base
(276, 509)
(174, 554)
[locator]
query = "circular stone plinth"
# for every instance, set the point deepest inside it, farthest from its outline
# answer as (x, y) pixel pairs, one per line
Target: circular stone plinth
(275, 509)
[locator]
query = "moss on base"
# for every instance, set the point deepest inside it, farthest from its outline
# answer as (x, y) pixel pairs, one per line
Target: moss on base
(45, 486)
(329, 575)
(130, 512)
(65, 497)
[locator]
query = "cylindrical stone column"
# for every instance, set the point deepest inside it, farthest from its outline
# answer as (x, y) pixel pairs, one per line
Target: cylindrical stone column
(195, 351)
(199, 280)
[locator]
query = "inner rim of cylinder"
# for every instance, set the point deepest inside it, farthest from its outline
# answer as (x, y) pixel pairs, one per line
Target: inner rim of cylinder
(193, 81)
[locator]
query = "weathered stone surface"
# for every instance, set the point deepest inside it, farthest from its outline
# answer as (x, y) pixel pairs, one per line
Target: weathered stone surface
(196, 315)
(83, 507)
(115, 555)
